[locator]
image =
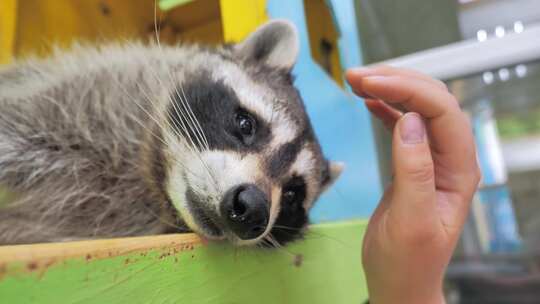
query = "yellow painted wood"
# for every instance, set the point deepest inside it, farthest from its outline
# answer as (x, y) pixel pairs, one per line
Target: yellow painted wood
(321, 29)
(8, 16)
(42, 24)
(241, 17)
(196, 21)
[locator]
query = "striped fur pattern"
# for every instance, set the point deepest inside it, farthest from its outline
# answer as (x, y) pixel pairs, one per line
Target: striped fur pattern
(131, 139)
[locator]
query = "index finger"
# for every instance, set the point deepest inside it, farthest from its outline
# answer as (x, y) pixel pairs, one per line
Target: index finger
(450, 132)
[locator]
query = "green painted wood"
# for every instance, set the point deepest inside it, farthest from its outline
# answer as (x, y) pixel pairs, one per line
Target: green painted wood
(325, 268)
(169, 4)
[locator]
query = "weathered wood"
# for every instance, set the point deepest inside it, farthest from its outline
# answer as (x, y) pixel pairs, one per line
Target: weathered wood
(325, 268)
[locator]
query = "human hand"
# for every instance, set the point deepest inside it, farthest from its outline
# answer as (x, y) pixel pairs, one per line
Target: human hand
(414, 229)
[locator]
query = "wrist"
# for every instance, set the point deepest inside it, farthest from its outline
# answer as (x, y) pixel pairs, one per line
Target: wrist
(437, 298)
(412, 292)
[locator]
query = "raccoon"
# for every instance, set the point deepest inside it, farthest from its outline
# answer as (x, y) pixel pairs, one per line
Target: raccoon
(134, 139)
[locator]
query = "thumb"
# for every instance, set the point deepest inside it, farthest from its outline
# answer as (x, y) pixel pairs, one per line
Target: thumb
(414, 180)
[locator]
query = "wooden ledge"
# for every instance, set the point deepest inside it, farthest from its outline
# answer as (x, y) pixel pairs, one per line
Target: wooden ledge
(95, 249)
(181, 268)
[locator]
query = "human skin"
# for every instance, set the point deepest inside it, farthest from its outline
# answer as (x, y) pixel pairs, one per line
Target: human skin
(414, 229)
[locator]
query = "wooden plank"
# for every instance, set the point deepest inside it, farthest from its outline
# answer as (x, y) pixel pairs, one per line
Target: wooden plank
(8, 19)
(325, 268)
(241, 17)
(43, 24)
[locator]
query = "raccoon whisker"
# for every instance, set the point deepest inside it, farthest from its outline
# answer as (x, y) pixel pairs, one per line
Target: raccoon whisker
(287, 228)
(190, 145)
(290, 231)
(273, 241)
(316, 235)
(156, 29)
(193, 129)
(168, 71)
(272, 117)
(148, 114)
(309, 235)
(189, 117)
(156, 136)
(154, 119)
(186, 168)
(161, 219)
(136, 120)
(137, 104)
(198, 128)
(264, 243)
(196, 121)
(198, 156)
(184, 126)
(171, 78)
(185, 116)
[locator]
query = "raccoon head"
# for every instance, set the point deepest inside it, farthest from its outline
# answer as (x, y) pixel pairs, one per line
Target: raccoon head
(243, 162)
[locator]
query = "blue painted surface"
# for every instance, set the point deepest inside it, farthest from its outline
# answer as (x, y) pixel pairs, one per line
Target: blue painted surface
(504, 236)
(503, 233)
(340, 120)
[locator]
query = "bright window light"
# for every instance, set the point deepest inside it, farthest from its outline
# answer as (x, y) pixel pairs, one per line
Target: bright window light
(504, 74)
(481, 35)
(518, 27)
(499, 31)
(521, 70)
(488, 77)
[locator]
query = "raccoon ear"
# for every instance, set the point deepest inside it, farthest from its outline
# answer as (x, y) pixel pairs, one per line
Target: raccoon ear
(275, 44)
(334, 171)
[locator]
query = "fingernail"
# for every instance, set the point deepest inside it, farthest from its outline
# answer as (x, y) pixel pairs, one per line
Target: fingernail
(412, 129)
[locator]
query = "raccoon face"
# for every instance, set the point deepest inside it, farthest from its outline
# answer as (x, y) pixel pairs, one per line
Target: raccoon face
(243, 161)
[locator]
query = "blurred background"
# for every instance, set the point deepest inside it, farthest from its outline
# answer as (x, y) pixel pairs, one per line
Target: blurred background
(487, 51)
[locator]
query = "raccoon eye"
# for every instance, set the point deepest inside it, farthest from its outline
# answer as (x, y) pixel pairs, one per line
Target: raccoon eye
(289, 196)
(246, 124)
(294, 192)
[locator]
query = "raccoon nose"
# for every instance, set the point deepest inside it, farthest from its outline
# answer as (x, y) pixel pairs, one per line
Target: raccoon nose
(245, 209)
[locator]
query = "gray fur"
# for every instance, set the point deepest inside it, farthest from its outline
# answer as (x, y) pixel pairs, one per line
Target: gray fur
(70, 143)
(83, 137)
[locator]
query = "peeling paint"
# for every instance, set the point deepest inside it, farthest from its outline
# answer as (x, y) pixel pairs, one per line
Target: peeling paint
(189, 272)
(298, 260)
(38, 258)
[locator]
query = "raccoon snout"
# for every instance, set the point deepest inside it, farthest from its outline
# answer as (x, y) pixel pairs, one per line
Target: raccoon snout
(245, 210)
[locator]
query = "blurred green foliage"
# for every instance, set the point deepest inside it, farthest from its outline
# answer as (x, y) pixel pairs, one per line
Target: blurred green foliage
(520, 124)
(5, 196)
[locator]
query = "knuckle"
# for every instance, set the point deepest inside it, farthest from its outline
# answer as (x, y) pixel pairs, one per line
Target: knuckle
(382, 67)
(442, 85)
(421, 171)
(477, 176)
(453, 102)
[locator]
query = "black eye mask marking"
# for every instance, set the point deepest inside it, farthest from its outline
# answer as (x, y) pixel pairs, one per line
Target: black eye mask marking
(216, 108)
(292, 217)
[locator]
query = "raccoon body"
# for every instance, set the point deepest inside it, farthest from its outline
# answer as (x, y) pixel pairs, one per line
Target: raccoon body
(130, 139)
